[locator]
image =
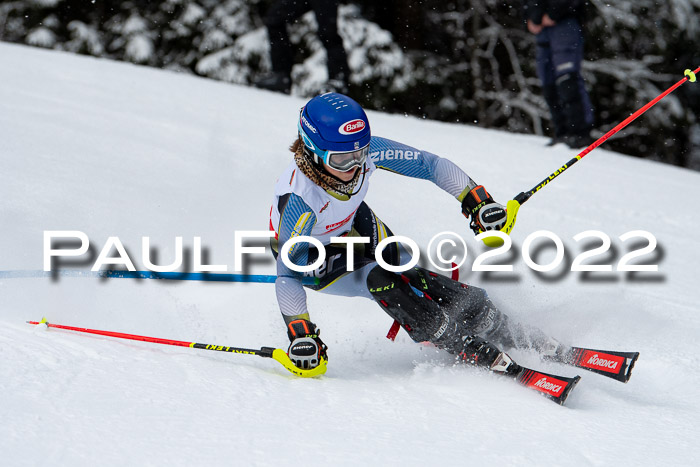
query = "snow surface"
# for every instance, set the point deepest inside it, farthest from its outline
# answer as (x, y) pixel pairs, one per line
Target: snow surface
(113, 149)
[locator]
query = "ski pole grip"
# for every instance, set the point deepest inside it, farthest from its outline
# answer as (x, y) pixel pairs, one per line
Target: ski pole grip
(522, 197)
(266, 352)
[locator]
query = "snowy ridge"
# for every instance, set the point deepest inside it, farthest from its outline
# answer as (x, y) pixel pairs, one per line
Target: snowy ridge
(113, 149)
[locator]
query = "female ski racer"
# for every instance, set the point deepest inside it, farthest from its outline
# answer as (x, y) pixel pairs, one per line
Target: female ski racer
(321, 195)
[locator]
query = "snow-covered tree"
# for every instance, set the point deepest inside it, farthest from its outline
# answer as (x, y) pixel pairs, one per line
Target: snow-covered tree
(467, 61)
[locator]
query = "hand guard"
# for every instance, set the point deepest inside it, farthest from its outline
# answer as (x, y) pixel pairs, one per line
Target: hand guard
(486, 214)
(306, 348)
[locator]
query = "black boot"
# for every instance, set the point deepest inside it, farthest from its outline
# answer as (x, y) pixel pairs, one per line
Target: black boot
(480, 353)
(578, 141)
(275, 81)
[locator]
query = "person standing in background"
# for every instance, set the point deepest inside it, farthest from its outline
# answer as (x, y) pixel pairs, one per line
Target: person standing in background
(557, 25)
(283, 12)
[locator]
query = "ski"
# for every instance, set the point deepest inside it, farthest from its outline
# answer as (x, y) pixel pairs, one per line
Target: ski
(556, 388)
(610, 363)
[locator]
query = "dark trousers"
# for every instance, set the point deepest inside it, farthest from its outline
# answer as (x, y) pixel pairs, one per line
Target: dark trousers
(285, 12)
(559, 57)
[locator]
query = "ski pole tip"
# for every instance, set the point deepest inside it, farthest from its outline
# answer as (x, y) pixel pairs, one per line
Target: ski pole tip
(43, 321)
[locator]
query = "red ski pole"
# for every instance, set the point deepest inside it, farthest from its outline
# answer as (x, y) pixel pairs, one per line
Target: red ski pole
(514, 204)
(268, 352)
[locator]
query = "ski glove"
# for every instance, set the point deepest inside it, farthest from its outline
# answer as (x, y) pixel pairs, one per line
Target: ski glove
(306, 348)
(486, 214)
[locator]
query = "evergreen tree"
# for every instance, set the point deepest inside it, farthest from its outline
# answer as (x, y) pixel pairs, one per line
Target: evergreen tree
(466, 61)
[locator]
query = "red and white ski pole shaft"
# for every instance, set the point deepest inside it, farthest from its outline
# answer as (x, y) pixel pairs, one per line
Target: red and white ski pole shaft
(514, 204)
(268, 352)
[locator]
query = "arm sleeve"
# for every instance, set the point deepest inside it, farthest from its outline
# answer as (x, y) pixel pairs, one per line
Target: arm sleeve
(406, 160)
(562, 9)
(534, 10)
(296, 219)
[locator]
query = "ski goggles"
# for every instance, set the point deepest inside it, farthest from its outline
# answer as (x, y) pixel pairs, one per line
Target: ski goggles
(344, 161)
(338, 160)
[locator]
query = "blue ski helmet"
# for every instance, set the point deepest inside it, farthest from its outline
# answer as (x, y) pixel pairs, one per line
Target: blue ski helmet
(335, 129)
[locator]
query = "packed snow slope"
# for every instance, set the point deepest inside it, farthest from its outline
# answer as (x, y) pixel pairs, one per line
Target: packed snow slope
(112, 149)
